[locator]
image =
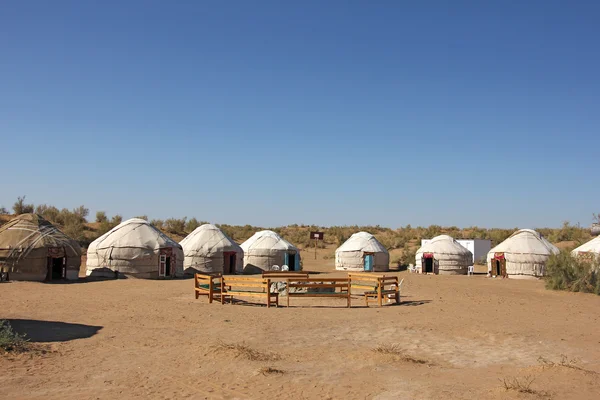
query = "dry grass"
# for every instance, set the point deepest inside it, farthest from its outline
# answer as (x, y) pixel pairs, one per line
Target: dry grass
(270, 371)
(521, 385)
(241, 350)
(565, 362)
(396, 351)
(11, 341)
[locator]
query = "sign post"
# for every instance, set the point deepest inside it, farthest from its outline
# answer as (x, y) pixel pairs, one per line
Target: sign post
(317, 236)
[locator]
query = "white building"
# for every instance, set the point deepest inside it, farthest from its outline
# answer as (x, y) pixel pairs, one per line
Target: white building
(479, 247)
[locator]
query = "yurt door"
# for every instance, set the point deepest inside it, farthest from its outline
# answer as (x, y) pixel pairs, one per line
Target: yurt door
(368, 262)
(162, 265)
(291, 261)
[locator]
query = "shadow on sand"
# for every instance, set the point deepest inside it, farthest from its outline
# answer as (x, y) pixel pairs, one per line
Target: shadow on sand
(52, 331)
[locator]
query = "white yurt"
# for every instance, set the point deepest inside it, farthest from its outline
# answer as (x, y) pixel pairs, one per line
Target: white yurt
(208, 249)
(362, 252)
(522, 255)
(443, 255)
(589, 250)
(134, 248)
(265, 249)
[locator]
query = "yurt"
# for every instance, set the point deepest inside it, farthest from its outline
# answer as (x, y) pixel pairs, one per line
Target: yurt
(362, 252)
(137, 249)
(589, 250)
(207, 249)
(443, 255)
(33, 249)
(522, 255)
(266, 249)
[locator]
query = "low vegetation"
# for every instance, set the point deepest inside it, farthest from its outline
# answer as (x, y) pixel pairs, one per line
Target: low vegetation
(396, 351)
(521, 385)
(575, 274)
(11, 341)
(565, 362)
(270, 371)
(407, 239)
(241, 350)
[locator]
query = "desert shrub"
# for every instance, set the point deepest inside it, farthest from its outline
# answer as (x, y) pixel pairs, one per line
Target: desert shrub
(101, 217)
(566, 272)
(158, 223)
(175, 225)
(81, 212)
(144, 217)
(116, 220)
(567, 232)
(20, 207)
(3, 211)
(51, 213)
(76, 230)
(191, 224)
(408, 255)
(11, 340)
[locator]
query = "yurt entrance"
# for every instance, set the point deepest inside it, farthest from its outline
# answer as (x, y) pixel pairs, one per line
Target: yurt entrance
(427, 263)
(56, 264)
(368, 261)
(290, 261)
(229, 262)
(165, 263)
(498, 265)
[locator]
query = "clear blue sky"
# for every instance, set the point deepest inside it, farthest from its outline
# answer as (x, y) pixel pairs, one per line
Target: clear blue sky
(326, 112)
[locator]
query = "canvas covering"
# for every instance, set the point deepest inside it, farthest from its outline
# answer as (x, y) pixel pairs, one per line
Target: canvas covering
(204, 250)
(28, 240)
(265, 249)
(526, 252)
(593, 246)
(450, 257)
(350, 255)
(133, 248)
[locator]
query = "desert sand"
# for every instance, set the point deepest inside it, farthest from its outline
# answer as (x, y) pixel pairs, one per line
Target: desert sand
(454, 337)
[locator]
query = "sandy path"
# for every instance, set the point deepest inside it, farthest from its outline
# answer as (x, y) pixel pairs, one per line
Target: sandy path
(151, 339)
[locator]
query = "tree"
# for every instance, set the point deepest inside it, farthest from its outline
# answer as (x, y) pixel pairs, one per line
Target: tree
(117, 219)
(101, 217)
(82, 213)
(191, 225)
(3, 211)
(21, 208)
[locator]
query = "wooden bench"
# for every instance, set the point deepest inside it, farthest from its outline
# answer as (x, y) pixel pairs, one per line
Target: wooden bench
(207, 285)
(242, 286)
(343, 284)
(375, 286)
(277, 276)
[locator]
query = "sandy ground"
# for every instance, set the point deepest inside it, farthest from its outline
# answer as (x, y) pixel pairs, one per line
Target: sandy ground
(456, 338)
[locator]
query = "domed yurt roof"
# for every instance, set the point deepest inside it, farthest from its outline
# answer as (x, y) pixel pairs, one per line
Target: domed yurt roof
(32, 231)
(444, 244)
(362, 241)
(26, 243)
(207, 240)
(209, 249)
(266, 240)
(134, 247)
(351, 255)
(449, 256)
(134, 233)
(593, 246)
(526, 242)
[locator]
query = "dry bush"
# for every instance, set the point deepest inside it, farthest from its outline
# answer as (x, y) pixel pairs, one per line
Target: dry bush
(241, 350)
(270, 371)
(565, 272)
(521, 385)
(396, 351)
(21, 208)
(101, 217)
(565, 362)
(11, 341)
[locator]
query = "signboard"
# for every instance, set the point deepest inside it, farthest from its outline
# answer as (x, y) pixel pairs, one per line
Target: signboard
(317, 235)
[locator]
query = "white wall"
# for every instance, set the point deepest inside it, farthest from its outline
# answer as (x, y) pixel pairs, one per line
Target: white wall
(479, 247)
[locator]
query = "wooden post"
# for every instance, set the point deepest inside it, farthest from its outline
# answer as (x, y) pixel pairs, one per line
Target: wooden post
(316, 240)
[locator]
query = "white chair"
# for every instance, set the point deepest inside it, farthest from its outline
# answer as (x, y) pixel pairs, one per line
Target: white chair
(275, 268)
(285, 268)
(470, 270)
